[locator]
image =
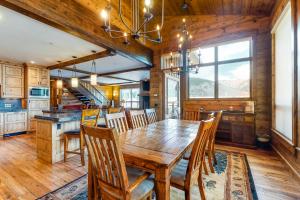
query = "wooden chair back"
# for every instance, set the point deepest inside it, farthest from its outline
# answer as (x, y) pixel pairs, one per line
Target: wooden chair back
(90, 117)
(107, 162)
(218, 116)
(114, 110)
(117, 121)
(191, 114)
(198, 150)
(138, 118)
(151, 115)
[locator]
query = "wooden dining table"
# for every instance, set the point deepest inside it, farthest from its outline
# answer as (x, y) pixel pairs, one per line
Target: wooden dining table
(156, 148)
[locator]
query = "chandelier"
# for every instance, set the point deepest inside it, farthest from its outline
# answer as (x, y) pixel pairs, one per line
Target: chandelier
(182, 62)
(138, 27)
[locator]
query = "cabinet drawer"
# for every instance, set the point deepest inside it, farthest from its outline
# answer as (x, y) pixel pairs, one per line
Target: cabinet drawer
(15, 127)
(39, 104)
(15, 117)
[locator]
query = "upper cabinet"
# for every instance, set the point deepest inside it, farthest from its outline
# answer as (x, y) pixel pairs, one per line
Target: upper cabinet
(12, 81)
(38, 77)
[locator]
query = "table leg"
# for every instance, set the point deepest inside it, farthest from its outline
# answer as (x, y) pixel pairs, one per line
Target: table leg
(162, 180)
(90, 181)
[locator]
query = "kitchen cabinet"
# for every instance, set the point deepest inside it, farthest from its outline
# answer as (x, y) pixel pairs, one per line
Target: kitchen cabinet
(15, 122)
(12, 81)
(38, 77)
(36, 107)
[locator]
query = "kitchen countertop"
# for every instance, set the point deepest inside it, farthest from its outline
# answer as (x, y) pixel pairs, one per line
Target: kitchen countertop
(60, 117)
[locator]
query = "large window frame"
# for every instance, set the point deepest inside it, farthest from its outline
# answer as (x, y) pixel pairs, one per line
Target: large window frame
(131, 102)
(216, 65)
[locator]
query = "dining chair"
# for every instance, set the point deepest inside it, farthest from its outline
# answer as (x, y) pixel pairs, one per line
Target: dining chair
(138, 118)
(186, 172)
(88, 117)
(117, 121)
(191, 114)
(111, 178)
(151, 115)
(210, 150)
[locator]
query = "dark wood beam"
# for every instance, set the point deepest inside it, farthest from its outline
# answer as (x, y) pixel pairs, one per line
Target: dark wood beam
(118, 72)
(73, 18)
(94, 56)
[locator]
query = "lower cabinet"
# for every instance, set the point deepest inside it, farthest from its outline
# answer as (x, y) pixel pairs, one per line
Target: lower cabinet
(15, 122)
(36, 107)
(1, 125)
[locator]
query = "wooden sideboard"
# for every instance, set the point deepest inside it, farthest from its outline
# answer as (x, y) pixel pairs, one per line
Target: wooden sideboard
(235, 128)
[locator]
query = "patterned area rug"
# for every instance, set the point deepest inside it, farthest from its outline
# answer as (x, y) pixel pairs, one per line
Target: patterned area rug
(232, 181)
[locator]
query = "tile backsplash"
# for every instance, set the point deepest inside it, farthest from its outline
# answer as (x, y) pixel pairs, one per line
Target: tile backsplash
(10, 105)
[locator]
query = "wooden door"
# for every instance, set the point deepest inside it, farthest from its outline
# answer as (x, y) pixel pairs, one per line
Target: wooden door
(13, 82)
(44, 77)
(15, 122)
(33, 77)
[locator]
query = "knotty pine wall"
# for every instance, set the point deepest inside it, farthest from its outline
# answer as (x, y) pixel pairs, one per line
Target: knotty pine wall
(215, 29)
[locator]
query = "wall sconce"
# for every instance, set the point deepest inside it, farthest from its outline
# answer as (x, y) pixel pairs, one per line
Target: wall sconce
(115, 93)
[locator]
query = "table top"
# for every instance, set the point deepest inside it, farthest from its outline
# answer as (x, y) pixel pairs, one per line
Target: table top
(161, 143)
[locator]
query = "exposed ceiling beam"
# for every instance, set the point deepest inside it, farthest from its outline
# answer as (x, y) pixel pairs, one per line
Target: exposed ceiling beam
(118, 72)
(94, 56)
(73, 18)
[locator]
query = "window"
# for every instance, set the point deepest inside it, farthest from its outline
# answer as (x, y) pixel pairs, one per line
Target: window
(129, 97)
(224, 71)
(284, 72)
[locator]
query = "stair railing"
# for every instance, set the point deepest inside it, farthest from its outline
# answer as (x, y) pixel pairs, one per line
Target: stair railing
(95, 92)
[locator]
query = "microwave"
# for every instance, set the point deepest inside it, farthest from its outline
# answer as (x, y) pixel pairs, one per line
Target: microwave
(39, 92)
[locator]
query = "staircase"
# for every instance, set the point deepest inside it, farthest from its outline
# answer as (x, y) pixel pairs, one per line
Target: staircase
(85, 92)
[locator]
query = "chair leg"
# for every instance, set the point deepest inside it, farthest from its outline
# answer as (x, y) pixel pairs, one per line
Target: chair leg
(82, 152)
(205, 167)
(187, 195)
(66, 145)
(201, 187)
(210, 162)
(215, 158)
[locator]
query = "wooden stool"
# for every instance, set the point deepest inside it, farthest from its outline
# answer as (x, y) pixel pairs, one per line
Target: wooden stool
(89, 117)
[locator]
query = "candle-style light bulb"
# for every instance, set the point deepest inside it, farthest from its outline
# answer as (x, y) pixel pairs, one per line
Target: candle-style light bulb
(183, 20)
(125, 38)
(178, 35)
(147, 3)
(144, 10)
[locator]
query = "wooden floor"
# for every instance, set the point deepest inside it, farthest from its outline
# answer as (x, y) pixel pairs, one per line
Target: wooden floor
(22, 176)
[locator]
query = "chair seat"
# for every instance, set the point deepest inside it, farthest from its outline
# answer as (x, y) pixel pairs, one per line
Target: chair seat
(73, 132)
(179, 173)
(144, 188)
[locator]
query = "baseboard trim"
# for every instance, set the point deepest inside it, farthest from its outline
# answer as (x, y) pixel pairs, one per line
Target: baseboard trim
(292, 169)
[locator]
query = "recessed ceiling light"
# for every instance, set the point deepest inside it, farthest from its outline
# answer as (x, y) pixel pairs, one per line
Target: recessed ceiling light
(32, 62)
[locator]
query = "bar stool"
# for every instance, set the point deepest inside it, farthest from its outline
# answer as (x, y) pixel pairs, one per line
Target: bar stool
(89, 117)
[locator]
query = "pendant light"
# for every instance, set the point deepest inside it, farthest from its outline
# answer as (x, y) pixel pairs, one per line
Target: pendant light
(93, 74)
(59, 82)
(74, 79)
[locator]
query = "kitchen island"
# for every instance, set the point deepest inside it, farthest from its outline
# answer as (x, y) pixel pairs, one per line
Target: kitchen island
(49, 134)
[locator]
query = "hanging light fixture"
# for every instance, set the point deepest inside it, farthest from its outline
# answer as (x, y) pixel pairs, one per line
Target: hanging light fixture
(93, 74)
(74, 79)
(59, 82)
(136, 30)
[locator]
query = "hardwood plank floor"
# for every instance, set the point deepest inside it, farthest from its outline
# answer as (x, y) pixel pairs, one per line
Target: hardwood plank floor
(24, 177)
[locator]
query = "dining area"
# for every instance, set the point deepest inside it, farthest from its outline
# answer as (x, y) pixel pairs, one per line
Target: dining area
(138, 157)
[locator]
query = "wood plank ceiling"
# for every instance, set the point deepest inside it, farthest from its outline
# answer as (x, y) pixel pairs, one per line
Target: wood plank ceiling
(220, 7)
